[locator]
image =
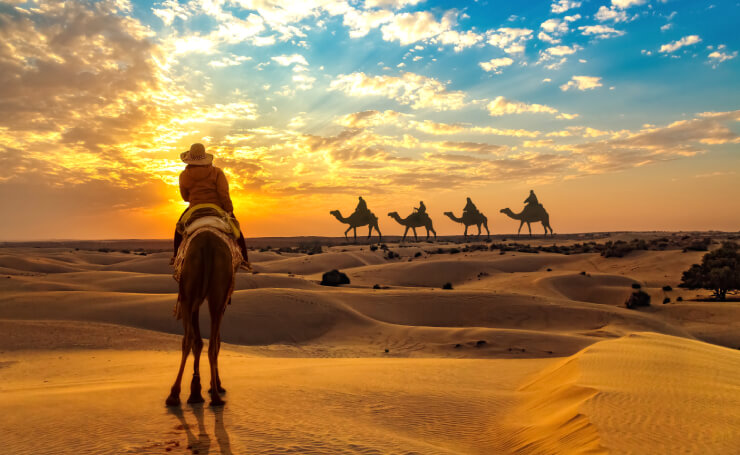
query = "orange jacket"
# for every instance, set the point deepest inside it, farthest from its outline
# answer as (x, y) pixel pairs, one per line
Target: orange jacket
(205, 184)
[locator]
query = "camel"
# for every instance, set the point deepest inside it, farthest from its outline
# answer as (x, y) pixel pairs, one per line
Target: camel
(530, 214)
(356, 220)
(414, 221)
(470, 219)
(207, 273)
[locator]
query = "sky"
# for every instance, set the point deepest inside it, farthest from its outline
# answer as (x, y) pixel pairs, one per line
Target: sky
(619, 114)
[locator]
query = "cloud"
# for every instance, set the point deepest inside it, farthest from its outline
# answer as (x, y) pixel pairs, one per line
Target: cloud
(496, 63)
(471, 147)
(582, 83)
(412, 89)
(502, 106)
(360, 22)
(458, 40)
(561, 6)
(542, 36)
(610, 14)
(600, 31)
(555, 26)
(676, 45)
(287, 60)
(624, 4)
(562, 50)
(430, 127)
(511, 40)
(683, 138)
(717, 57)
(231, 60)
(395, 4)
(370, 118)
(408, 28)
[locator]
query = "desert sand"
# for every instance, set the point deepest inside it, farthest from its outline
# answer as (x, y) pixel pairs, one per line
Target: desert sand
(528, 353)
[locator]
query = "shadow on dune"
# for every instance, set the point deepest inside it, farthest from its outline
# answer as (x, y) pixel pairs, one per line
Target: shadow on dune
(202, 441)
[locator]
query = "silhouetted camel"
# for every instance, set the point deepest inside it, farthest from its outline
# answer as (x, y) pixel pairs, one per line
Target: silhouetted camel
(207, 273)
(356, 220)
(414, 221)
(470, 219)
(530, 214)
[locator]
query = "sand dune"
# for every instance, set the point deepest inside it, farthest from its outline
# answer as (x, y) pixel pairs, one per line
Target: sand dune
(528, 353)
(643, 393)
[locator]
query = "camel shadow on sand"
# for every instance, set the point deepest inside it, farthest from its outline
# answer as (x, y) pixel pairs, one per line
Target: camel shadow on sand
(202, 442)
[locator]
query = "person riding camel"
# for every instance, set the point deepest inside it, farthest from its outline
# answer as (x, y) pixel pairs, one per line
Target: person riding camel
(470, 208)
(361, 208)
(532, 199)
(203, 183)
(422, 209)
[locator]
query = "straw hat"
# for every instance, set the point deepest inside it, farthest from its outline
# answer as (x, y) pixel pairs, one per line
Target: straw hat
(196, 155)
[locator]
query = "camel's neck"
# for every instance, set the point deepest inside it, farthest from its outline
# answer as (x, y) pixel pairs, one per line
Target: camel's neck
(397, 217)
(454, 218)
(339, 216)
(516, 216)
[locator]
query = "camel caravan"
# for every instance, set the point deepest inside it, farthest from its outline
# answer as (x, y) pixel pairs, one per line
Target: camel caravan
(533, 212)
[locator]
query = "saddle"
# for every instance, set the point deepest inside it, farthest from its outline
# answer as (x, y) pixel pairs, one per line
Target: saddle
(207, 215)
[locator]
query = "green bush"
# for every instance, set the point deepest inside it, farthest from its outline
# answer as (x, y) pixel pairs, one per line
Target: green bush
(719, 271)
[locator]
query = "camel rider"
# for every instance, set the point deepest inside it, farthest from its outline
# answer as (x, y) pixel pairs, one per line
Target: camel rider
(470, 208)
(532, 199)
(422, 208)
(203, 183)
(361, 207)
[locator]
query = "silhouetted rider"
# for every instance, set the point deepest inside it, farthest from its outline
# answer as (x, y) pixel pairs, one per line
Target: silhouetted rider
(532, 199)
(422, 208)
(470, 208)
(361, 207)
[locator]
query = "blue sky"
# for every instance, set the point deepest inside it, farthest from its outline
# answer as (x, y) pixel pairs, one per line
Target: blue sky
(307, 104)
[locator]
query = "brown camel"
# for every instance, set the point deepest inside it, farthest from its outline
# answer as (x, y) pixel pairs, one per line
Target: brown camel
(470, 219)
(530, 214)
(356, 220)
(414, 221)
(207, 273)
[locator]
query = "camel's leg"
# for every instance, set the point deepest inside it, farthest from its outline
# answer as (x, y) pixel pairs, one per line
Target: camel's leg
(355, 233)
(465, 235)
(195, 396)
(404, 234)
(488, 233)
(174, 398)
(380, 236)
(217, 298)
(369, 230)
(520, 228)
(416, 239)
(529, 226)
(345, 232)
(213, 349)
(217, 342)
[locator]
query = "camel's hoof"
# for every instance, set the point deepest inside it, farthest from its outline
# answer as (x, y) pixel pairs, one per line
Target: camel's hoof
(195, 399)
(217, 403)
(172, 401)
(221, 390)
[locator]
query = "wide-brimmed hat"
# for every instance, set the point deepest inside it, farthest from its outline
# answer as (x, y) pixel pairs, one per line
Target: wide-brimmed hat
(196, 155)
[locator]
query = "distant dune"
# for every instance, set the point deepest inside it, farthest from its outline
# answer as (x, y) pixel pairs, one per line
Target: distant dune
(529, 352)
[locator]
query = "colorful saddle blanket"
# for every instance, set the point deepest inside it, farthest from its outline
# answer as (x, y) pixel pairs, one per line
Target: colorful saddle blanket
(201, 215)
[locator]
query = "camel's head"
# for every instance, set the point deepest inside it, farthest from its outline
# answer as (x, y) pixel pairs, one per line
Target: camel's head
(334, 212)
(448, 213)
(506, 210)
(392, 214)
